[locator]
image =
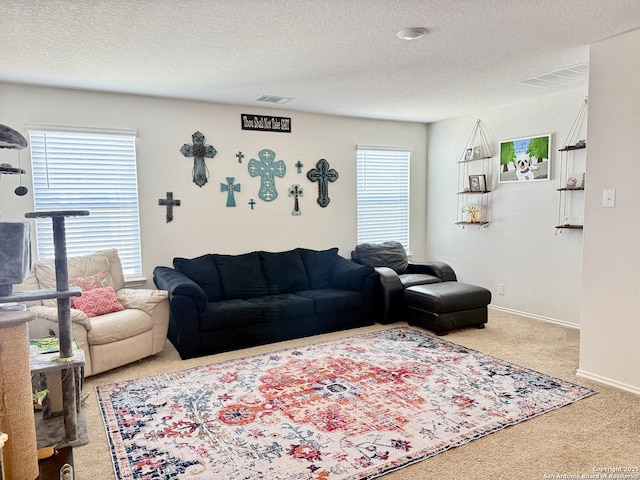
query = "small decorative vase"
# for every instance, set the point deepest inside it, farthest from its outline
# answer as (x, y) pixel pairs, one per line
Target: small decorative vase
(474, 216)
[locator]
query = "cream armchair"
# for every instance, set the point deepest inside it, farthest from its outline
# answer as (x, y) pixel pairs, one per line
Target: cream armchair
(112, 339)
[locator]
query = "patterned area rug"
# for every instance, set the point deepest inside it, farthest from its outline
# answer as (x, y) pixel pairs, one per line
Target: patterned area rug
(343, 409)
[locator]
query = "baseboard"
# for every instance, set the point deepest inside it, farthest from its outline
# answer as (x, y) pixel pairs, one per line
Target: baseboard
(536, 317)
(608, 381)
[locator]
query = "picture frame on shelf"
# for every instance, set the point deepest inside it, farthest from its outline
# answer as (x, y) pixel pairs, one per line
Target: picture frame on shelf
(526, 159)
(477, 153)
(477, 183)
(468, 154)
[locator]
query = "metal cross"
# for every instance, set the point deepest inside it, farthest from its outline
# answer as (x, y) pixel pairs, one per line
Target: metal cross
(199, 151)
(296, 191)
(230, 187)
(252, 203)
(267, 169)
(239, 156)
(299, 166)
(169, 202)
(323, 175)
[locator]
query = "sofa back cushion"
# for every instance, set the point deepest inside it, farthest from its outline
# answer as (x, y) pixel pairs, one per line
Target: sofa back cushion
(204, 272)
(241, 275)
(284, 271)
(318, 264)
(387, 254)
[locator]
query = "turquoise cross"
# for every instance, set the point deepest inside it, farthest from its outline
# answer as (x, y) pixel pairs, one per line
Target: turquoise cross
(296, 191)
(230, 187)
(267, 169)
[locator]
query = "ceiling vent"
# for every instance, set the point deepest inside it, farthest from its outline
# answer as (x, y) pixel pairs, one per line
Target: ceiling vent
(273, 99)
(563, 76)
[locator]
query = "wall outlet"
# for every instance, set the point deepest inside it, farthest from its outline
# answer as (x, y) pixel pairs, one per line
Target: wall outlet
(500, 290)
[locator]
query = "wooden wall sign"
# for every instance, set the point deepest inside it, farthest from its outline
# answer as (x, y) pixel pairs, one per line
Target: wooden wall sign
(265, 123)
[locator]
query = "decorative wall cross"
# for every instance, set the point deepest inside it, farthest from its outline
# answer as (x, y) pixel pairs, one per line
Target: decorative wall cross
(252, 203)
(267, 169)
(299, 166)
(169, 202)
(239, 156)
(323, 175)
(230, 187)
(199, 151)
(296, 191)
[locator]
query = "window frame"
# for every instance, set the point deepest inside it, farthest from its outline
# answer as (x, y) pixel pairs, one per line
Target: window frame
(395, 226)
(94, 169)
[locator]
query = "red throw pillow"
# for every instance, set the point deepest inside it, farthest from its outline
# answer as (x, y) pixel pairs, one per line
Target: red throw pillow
(97, 301)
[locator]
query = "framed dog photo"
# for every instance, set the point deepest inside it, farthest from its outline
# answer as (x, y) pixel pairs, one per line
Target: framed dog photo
(477, 183)
(525, 159)
(468, 154)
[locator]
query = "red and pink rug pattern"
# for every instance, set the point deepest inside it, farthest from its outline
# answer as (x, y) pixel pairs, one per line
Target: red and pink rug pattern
(354, 408)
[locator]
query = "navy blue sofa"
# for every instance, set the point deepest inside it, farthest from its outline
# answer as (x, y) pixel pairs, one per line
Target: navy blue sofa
(226, 302)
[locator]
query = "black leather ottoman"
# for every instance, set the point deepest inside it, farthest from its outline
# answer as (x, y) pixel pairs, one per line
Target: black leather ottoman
(445, 306)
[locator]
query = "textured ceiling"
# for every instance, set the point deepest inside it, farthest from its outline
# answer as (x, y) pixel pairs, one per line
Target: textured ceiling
(332, 56)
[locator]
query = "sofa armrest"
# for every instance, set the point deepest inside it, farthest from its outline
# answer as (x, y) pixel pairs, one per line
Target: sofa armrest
(439, 269)
(51, 314)
(391, 295)
(349, 275)
(145, 299)
(178, 284)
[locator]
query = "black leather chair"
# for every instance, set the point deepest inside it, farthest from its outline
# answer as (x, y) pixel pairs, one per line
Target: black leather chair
(396, 274)
(426, 294)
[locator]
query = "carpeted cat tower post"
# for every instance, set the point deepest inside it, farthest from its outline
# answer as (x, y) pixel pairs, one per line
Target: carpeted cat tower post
(16, 402)
(17, 423)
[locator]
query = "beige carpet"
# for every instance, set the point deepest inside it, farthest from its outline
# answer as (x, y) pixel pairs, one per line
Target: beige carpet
(600, 431)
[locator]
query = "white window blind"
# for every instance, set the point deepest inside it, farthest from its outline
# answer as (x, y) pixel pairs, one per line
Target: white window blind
(383, 195)
(94, 170)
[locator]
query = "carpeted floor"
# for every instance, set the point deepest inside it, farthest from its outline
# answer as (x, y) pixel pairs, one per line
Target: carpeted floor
(599, 431)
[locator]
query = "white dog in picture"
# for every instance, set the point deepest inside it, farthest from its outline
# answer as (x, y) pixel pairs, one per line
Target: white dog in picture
(524, 169)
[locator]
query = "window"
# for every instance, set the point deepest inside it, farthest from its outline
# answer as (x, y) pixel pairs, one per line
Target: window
(383, 195)
(95, 170)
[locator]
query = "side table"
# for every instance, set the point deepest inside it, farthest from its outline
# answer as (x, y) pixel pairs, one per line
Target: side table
(43, 363)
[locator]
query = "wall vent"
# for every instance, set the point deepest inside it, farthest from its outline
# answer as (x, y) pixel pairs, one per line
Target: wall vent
(273, 99)
(559, 77)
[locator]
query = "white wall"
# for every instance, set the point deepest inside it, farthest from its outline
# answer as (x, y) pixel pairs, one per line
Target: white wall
(541, 270)
(203, 223)
(610, 333)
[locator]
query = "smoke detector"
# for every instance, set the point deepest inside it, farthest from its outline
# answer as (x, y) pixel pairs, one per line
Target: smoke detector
(412, 33)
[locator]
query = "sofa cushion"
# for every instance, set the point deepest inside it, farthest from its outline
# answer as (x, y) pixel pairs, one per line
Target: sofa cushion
(113, 327)
(411, 279)
(286, 305)
(319, 264)
(387, 254)
(204, 272)
(241, 275)
(284, 271)
(330, 300)
(97, 301)
(229, 314)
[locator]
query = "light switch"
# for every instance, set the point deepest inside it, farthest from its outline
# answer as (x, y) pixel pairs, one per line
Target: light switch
(609, 197)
